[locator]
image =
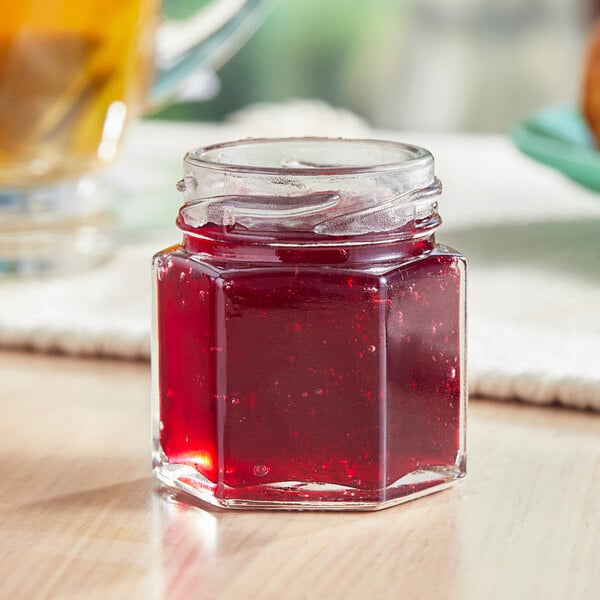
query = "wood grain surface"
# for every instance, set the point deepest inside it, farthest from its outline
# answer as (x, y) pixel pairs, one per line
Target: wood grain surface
(82, 517)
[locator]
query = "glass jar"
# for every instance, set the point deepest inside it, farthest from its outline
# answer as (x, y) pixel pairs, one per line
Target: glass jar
(309, 339)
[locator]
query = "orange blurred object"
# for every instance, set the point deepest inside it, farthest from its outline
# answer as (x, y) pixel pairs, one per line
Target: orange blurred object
(590, 95)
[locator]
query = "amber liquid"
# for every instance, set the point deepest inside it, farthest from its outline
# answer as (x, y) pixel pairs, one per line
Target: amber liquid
(72, 73)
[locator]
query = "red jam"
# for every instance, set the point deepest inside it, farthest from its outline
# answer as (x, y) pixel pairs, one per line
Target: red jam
(310, 373)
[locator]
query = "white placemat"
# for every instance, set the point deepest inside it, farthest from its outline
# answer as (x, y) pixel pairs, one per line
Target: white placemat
(532, 238)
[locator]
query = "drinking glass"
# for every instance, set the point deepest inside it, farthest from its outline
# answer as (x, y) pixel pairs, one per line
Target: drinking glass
(73, 74)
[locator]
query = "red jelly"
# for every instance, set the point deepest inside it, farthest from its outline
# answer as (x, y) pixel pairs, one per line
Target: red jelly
(309, 331)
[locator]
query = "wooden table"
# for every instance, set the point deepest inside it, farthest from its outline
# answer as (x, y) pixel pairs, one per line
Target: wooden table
(82, 517)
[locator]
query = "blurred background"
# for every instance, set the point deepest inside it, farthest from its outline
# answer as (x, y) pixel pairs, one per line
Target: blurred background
(418, 65)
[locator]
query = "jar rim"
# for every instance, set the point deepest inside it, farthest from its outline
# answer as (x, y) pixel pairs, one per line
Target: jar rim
(215, 157)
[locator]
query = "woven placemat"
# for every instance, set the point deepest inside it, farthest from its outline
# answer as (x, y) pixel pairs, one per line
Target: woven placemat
(532, 239)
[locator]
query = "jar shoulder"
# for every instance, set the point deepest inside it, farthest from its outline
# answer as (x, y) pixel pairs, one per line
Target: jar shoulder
(216, 267)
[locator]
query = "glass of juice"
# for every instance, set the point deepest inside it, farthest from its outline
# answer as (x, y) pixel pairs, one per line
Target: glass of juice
(73, 74)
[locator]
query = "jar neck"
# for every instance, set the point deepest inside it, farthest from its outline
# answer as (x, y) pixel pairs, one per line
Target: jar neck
(309, 201)
(216, 243)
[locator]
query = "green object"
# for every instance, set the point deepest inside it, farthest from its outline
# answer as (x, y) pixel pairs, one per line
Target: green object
(559, 137)
(207, 47)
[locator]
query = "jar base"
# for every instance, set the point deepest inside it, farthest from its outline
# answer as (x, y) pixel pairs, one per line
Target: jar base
(296, 495)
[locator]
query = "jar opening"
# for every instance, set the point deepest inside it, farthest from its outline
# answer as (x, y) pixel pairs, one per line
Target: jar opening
(310, 156)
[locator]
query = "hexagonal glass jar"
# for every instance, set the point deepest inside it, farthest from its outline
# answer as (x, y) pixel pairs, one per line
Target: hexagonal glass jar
(309, 334)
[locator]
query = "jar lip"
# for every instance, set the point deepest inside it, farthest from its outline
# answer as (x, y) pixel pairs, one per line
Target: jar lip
(412, 157)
